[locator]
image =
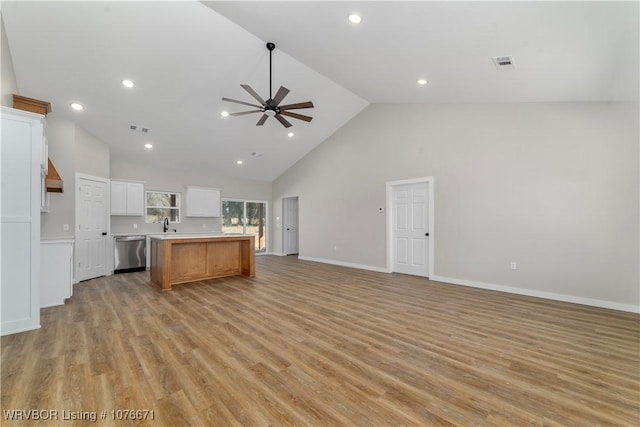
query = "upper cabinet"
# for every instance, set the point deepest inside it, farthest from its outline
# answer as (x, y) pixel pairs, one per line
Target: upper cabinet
(127, 198)
(203, 202)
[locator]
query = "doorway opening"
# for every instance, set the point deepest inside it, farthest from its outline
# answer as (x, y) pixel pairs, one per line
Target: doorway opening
(410, 226)
(290, 225)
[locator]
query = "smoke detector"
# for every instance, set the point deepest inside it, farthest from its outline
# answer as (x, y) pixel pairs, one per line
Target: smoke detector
(504, 62)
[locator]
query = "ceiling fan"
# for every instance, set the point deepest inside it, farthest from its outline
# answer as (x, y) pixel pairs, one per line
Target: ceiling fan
(271, 107)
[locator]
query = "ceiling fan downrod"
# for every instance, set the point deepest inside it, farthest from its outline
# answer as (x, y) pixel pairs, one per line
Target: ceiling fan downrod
(270, 46)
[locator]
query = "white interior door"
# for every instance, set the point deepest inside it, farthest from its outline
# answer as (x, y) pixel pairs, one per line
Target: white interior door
(290, 223)
(410, 229)
(91, 227)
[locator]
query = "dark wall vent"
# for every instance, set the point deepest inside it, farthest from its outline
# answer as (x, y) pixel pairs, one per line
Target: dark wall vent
(503, 62)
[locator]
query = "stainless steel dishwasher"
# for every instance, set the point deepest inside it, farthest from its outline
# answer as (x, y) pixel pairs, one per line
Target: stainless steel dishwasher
(130, 254)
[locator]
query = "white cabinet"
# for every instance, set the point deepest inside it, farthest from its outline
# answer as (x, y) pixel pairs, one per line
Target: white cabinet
(203, 202)
(127, 198)
(56, 271)
(21, 154)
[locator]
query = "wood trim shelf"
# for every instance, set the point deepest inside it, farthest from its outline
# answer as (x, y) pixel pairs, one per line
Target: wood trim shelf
(32, 105)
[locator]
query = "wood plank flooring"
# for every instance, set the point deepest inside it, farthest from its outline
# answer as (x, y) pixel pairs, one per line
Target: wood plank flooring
(309, 344)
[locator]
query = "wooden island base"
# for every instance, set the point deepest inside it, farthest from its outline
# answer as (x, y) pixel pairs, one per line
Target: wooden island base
(189, 259)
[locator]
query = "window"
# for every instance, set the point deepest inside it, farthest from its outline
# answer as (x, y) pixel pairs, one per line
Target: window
(246, 217)
(160, 205)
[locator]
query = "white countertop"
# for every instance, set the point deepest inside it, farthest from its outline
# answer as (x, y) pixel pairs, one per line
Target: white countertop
(173, 236)
(52, 240)
(155, 233)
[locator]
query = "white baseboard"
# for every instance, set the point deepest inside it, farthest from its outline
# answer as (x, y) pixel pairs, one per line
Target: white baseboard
(540, 294)
(501, 288)
(276, 254)
(344, 264)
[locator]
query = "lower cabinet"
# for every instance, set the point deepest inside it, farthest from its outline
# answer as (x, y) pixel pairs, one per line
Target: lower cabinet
(56, 271)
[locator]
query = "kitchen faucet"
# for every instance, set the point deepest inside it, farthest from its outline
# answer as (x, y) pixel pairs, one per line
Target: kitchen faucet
(166, 224)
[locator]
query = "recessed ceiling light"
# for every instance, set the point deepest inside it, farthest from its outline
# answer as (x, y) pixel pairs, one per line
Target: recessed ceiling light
(225, 114)
(239, 162)
(290, 134)
(148, 146)
(422, 82)
(354, 18)
(127, 83)
(76, 106)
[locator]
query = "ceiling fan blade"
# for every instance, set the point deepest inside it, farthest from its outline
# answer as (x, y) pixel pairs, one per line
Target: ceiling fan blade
(242, 113)
(253, 93)
(296, 116)
(262, 120)
(282, 92)
(241, 102)
(284, 121)
(299, 105)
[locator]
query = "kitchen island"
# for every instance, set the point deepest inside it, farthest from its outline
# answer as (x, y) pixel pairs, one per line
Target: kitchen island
(189, 258)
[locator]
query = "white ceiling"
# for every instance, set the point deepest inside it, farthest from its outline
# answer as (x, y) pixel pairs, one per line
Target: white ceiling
(185, 56)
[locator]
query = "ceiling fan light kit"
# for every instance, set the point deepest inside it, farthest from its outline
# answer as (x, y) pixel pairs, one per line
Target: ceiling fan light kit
(271, 107)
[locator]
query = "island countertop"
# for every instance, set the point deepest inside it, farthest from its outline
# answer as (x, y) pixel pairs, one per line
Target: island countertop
(173, 236)
(187, 258)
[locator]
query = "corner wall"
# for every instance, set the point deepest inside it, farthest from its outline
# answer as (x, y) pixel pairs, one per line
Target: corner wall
(8, 81)
(554, 187)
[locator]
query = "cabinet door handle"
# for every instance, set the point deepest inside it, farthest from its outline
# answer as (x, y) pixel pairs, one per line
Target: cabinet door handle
(104, 233)
(426, 234)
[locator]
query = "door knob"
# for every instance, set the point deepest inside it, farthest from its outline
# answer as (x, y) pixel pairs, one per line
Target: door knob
(426, 234)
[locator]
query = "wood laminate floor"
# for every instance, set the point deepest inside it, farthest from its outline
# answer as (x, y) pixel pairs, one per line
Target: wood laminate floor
(310, 344)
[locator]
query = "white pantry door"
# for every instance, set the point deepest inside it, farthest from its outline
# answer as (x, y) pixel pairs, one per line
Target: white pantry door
(91, 217)
(410, 229)
(290, 222)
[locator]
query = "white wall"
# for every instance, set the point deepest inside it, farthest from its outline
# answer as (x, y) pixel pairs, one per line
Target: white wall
(91, 154)
(61, 134)
(177, 180)
(553, 187)
(72, 150)
(8, 83)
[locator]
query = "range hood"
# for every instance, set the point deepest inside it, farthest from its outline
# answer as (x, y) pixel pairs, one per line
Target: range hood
(53, 181)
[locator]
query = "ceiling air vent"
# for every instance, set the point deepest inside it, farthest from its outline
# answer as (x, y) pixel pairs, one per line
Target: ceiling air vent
(503, 62)
(135, 127)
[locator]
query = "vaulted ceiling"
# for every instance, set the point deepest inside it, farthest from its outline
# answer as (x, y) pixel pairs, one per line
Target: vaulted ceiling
(185, 56)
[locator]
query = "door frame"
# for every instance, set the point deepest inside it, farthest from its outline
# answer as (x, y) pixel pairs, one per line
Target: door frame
(108, 243)
(284, 225)
(430, 188)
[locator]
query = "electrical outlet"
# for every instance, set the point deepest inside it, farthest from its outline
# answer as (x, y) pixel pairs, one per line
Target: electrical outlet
(514, 265)
(65, 227)
(135, 226)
